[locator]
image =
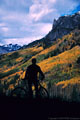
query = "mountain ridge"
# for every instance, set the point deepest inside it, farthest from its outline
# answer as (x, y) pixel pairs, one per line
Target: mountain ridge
(62, 26)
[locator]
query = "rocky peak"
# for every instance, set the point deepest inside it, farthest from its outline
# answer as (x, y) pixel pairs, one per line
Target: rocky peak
(64, 25)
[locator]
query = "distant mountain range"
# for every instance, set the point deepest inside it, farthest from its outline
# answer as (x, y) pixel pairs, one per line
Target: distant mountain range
(9, 48)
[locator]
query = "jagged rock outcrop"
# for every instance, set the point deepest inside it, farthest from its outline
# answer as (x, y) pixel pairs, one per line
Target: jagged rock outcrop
(64, 25)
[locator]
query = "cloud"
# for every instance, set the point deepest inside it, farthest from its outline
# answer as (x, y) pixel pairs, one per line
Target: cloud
(46, 28)
(38, 29)
(52, 1)
(5, 29)
(42, 28)
(65, 7)
(15, 5)
(21, 41)
(2, 24)
(37, 13)
(40, 8)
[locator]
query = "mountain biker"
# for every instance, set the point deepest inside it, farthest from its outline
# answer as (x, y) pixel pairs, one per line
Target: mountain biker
(32, 76)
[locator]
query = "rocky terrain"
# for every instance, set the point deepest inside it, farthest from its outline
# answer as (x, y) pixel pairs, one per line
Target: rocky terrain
(64, 25)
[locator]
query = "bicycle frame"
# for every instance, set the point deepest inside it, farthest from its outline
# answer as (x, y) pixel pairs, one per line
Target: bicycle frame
(39, 85)
(23, 91)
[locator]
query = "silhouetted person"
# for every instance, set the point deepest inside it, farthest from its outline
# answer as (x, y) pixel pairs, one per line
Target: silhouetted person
(32, 76)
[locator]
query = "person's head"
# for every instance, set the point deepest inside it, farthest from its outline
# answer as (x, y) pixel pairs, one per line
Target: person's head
(34, 61)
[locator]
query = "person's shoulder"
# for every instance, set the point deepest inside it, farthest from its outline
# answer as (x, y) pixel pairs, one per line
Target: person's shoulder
(38, 66)
(29, 66)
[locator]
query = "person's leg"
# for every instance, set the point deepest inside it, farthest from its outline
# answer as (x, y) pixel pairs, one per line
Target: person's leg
(30, 89)
(36, 87)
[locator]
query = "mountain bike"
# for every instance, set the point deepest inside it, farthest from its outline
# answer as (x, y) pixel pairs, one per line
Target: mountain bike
(23, 92)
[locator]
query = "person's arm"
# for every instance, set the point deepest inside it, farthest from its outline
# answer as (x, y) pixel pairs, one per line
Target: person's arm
(26, 74)
(41, 73)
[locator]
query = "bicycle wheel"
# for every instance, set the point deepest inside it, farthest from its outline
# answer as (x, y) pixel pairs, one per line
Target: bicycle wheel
(43, 93)
(19, 92)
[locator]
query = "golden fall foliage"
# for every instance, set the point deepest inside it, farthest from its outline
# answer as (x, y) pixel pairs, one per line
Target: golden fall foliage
(63, 58)
(19, 59)
(28, 51)
(11, 86)
(75, 80)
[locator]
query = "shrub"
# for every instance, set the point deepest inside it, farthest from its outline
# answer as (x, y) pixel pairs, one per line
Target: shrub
(70, 65)
(78, 60)
(8, 73)
(14, 55)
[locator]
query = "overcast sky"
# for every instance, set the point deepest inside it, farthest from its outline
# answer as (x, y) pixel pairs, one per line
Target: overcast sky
(22, 21)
